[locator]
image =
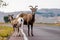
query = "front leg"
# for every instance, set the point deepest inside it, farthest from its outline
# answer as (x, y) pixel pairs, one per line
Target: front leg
(28, 30)
(13, 27)
(32, 30)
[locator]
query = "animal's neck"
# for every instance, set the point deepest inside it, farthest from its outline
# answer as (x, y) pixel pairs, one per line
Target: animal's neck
(11, 19)
(33, 13)
(33, 18)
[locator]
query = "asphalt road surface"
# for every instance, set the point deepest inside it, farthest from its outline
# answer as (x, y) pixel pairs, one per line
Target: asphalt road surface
(44, 32)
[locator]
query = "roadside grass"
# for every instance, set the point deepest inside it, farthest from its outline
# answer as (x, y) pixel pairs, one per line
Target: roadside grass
(5, 32)
(50, 24)
(53, 24)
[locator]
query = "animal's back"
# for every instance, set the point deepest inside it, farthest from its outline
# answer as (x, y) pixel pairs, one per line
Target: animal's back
(27, 18)
(14, 22)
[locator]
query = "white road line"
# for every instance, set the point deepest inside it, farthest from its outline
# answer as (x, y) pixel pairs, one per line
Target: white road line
(24, 35)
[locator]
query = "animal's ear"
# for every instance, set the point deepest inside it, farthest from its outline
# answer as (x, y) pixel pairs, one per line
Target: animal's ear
(12, 14)
(8, 15)
(36, 8)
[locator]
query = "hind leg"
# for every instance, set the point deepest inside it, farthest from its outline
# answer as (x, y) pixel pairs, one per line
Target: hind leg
(20, 32)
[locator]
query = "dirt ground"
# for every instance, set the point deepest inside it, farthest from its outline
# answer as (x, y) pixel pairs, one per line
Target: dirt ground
(5, 24)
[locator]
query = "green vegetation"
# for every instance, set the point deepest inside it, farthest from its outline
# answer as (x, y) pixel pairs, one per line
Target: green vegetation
(50, 24)
(6, 19)
(5, 31)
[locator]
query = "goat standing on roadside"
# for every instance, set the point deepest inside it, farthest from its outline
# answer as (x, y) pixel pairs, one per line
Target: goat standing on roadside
(16, 23)
(29, 19)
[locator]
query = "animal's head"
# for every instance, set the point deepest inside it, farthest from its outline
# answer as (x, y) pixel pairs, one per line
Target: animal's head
(10, 17)
(33, 9)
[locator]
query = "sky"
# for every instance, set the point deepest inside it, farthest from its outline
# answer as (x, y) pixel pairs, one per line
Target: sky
(23, 5)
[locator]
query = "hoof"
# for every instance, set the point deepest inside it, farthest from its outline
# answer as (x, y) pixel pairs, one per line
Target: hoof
(32, 35)
(28, 35)
(19, 35)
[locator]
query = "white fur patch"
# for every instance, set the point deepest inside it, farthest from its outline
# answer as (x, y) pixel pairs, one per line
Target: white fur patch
(19, 20)
(25, 37)
(21, 28)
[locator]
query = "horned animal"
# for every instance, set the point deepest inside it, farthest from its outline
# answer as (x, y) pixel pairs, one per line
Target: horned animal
(29, 18)
(16, 23)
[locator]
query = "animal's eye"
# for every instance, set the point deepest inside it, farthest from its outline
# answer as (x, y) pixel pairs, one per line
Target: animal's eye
(21, 19)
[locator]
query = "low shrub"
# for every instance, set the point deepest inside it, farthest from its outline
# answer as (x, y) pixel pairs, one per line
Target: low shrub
(5, 31)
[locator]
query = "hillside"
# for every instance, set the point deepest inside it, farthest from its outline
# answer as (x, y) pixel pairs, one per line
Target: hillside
(42, 15)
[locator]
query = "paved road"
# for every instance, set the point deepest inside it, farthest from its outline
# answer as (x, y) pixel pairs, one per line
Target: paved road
(15, 37)
(44, 32)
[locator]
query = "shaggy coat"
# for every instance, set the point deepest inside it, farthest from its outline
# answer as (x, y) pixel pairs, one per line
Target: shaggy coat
(29, 19)
(16, 23)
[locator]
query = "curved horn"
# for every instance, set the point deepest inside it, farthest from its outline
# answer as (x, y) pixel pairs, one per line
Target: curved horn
(31, 6)
(36, 6)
